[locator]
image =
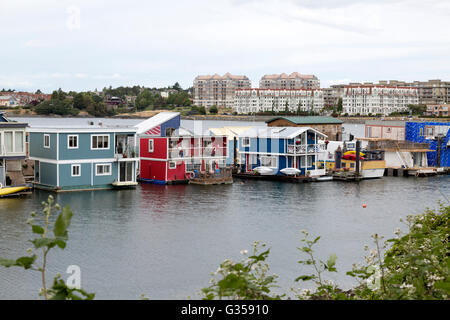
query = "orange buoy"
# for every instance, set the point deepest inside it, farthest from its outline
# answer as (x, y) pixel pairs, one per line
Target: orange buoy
(364, 205)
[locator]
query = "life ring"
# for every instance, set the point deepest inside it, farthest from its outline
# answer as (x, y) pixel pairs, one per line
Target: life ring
(190, 175)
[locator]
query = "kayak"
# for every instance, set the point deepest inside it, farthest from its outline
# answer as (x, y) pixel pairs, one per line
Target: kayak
(290, 171)
(4, 191)
(353, 152)
(264, 170)
(351, 157)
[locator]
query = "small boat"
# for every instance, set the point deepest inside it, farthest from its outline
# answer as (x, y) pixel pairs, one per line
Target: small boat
(324, 178)
(265, 171)
(290, 171)
(9, 191)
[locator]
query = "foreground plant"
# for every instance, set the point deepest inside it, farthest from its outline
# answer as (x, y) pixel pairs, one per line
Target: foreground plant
(244, 280)
(44, 242)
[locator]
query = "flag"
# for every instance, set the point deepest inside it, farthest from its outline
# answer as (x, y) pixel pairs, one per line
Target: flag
(155, 131)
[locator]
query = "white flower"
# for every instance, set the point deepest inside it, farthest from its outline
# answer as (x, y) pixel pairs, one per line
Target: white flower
(243, 252)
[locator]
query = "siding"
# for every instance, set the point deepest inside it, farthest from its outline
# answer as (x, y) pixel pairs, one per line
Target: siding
(84, 150)
(66, 179)
(36, 145)
(47, 173)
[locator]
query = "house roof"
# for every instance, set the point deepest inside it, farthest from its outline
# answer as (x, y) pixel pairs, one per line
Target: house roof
(309, 120)
(154, 121)
(277, 132)
(229, 131)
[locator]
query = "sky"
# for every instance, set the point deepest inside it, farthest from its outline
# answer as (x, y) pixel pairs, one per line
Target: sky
(87, 44)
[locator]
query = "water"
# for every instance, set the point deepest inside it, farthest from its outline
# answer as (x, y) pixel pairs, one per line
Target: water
(165, 240)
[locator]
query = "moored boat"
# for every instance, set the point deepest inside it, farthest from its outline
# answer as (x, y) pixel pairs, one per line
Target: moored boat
(265, 171)
(10, 191)
(290, 171)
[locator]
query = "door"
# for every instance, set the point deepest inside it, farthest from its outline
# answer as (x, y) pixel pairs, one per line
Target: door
(126, 171)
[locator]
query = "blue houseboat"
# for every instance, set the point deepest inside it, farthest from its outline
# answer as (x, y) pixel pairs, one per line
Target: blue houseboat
(279, 148)
(84, 158)
(437, 135)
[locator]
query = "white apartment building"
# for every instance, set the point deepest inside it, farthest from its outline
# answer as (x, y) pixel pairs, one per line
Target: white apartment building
(375, 99)
(260, 100)
(218, 90)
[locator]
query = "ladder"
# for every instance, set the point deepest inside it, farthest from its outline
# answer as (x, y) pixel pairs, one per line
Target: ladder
(402, 156)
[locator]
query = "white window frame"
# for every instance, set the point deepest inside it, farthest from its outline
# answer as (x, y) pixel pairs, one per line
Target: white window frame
(79, 170)
(48, 146)
(172, 165)
(245, 144)
(100, 135)
(105, 165)
(272, 159)
(68, 141)
(151, 142)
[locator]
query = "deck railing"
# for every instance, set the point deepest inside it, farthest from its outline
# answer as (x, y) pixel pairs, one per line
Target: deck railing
(196, 152)
(126, 152)
(302, 148)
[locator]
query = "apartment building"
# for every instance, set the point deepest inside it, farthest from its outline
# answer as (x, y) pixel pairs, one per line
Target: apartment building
(218, 90)
(331, 95)
(293, 81)
(440, 110)
(261, 100)
(433, 91)
(377, 99)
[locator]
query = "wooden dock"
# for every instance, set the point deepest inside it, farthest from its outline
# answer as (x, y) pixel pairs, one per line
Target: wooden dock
(347, 176)
(292, 179)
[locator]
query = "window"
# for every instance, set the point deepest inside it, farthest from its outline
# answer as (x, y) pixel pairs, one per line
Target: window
(46, 141)
(100, 142)
(246, 142)
(172, 165)
(76, 170)
(18, 137)
(72, 142)
(267, 161)
(103, 169)
(150, 145)
(430, 131)
(9, 141)
(309, 161)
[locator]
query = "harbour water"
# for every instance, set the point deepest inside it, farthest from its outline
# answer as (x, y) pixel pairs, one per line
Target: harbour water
(163, 241)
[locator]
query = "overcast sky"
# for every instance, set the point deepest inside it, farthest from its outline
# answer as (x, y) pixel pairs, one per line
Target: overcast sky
(88, 44)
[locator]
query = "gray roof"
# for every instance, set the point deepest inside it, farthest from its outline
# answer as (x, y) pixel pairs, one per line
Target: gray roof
(277, 132)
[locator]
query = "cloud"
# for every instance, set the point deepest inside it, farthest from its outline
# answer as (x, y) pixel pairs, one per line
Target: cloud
(158, 43)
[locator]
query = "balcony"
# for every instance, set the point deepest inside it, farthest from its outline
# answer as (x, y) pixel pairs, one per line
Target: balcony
(305, 149)
(128, 151)
(197, 152)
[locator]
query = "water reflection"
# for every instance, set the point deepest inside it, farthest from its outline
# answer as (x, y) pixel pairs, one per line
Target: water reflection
(165, 240)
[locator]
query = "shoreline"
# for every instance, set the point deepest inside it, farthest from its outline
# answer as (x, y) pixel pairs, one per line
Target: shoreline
(249, 118)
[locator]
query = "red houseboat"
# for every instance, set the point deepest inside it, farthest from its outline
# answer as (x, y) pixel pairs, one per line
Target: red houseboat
(170, 154)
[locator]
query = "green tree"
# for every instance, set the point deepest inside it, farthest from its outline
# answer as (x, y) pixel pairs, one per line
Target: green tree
(213, 109)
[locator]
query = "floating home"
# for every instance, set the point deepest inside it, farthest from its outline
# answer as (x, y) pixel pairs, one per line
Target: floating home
(231, 133)
(437, 135)
(170, 154)
(84, 158)
(278, 148)
(409, 156)
(12, 152)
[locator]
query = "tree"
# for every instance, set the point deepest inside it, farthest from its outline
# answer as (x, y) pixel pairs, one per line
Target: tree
(38, 91)
(417, 109)
(177, 87)
(80, 102)
(213, 109)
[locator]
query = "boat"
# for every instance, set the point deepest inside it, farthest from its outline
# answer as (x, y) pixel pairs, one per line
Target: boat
(265, 171)
(9, 191)
(372, 165)
(290, 171)
(323, 178)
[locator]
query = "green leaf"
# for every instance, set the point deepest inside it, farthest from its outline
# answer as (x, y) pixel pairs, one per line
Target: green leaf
(25, 262)
(37, 229)
(43, 242)
(443, 285)
(62, 222)
(7, 262)
(304, 278)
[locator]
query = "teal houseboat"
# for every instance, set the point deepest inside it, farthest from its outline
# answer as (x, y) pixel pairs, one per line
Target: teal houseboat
(84, 158)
